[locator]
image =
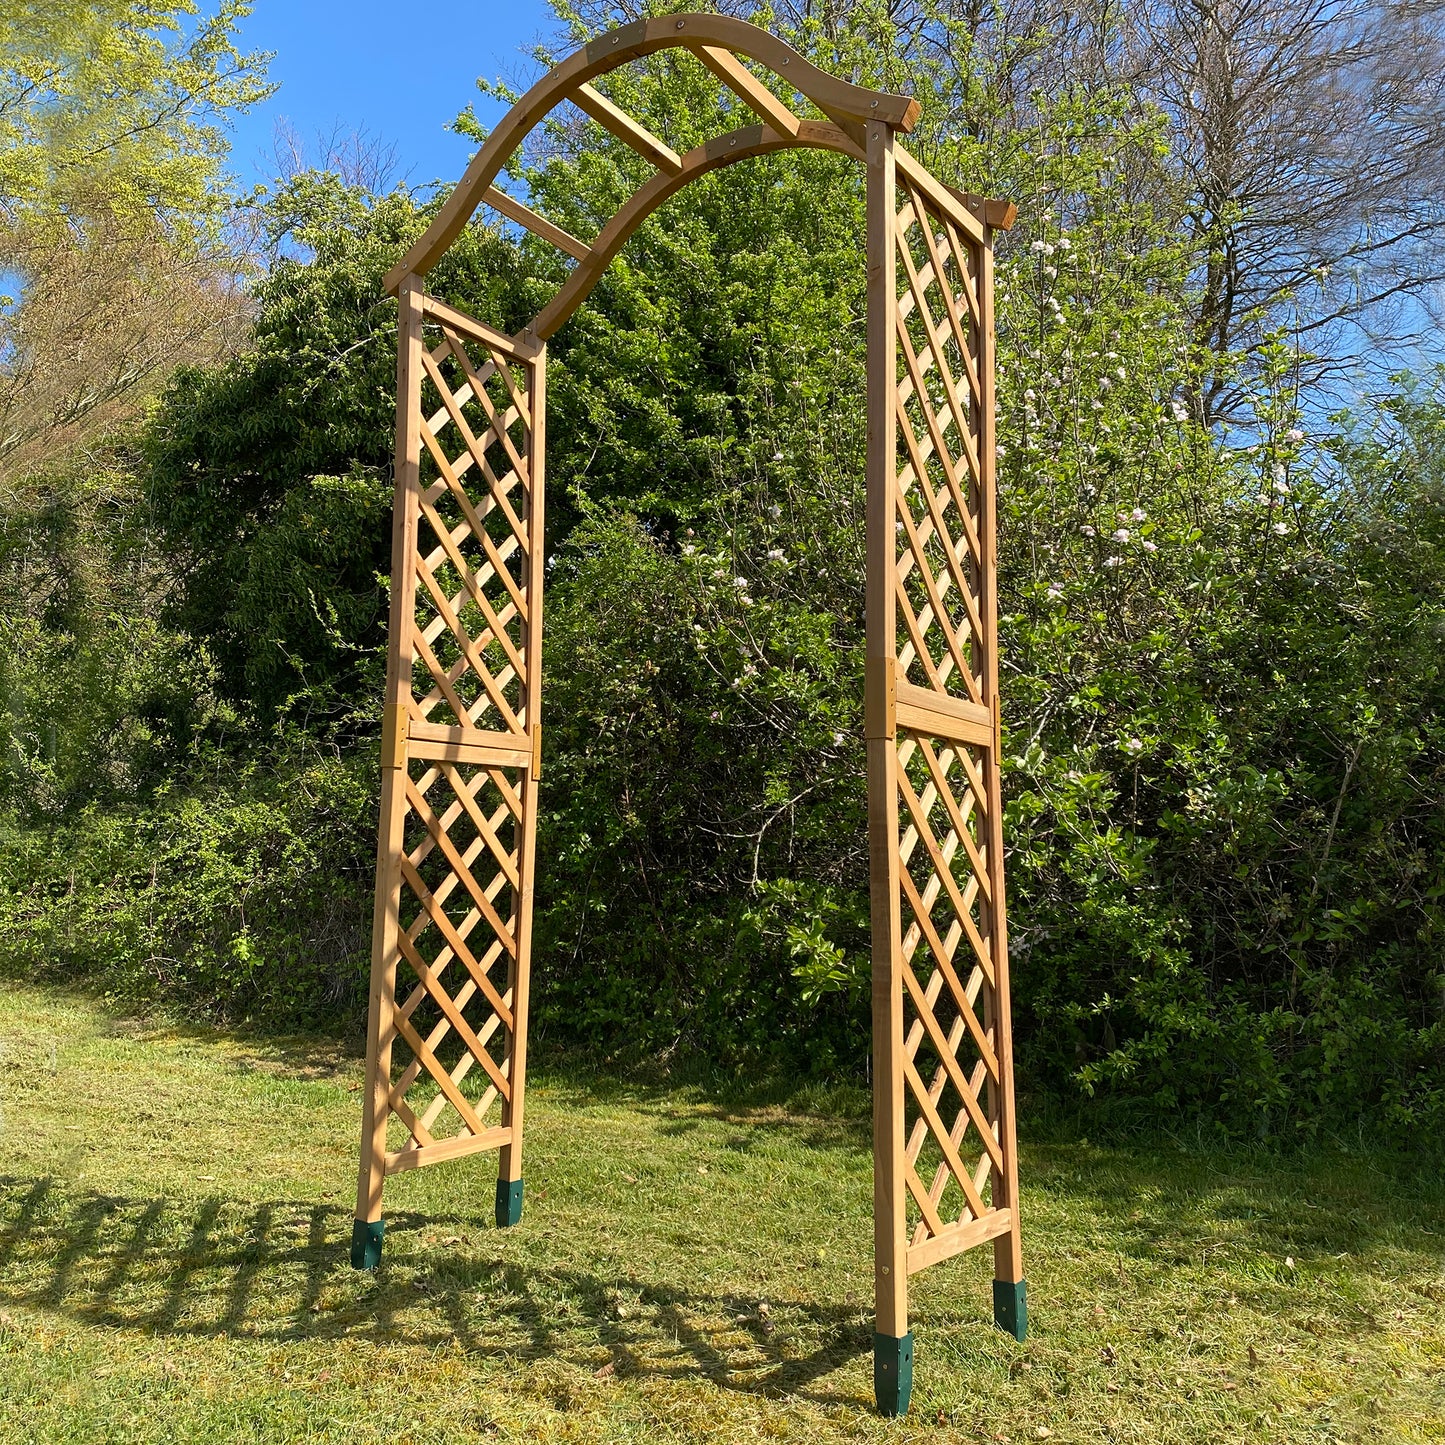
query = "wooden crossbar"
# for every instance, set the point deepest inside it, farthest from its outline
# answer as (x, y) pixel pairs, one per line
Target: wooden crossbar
(514, 210)
(758, 98)
(622, 125)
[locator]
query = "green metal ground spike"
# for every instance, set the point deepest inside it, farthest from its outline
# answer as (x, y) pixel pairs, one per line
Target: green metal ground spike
(509, 1202)
(892, 1373)
(1011, 1307)
(366, 1243)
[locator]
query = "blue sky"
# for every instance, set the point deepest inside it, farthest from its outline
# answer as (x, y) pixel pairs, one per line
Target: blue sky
(397, 71)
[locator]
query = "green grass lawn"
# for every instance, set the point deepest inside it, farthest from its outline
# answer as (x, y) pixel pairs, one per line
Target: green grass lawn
(175, 1212)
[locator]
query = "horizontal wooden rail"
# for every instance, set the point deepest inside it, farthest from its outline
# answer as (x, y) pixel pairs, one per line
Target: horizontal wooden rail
(936, 715)
(477, 330)
(418, 1156)
(753, 93)
(959, 1238)
(622, 125)
(435, 742)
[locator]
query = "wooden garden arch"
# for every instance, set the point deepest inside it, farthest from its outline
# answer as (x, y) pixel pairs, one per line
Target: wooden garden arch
(461, 734)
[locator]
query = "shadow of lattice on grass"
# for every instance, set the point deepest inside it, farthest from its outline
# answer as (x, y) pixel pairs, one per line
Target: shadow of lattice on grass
(277, 1270)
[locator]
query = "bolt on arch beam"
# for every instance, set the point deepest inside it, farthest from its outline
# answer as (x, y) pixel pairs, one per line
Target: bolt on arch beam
(848, 106)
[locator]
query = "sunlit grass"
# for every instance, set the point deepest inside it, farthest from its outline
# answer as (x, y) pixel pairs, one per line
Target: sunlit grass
(176, 1208)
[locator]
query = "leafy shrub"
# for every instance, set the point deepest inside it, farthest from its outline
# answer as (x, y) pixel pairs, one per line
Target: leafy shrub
(1220, 676)
(249, 900)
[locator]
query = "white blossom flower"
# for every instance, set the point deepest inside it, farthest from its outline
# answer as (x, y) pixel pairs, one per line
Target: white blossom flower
(1177, 408)
(1138, 514)
(1037, 246)
(1134, 745)
(775, 510)
(1000, 452)
(777, 456)
(775, 554)
(1122, 535)
(1294, 434)
(1087, 531)
(1113, 561)
(1065, 244)
(837, 739)
(1051, 272)
(688, 550)
(1282, 488)
(740, 583)
(1030, 395)
(1279, 472)
(1096, 405)
(1122, 374)
(1055, 592)
(1280, 529)
(1149, 547)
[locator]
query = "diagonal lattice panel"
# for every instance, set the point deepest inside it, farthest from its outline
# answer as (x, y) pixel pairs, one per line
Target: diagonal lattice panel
(453, 1025)
(938, 492)
(949, 1052)
(473, 542)
(460, 742)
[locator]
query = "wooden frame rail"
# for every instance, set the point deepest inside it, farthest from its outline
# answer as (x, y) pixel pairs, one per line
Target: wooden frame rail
(461, 734)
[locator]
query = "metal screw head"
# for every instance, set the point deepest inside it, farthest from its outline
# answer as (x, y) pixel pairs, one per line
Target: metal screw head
(680, 24)
(875, 105)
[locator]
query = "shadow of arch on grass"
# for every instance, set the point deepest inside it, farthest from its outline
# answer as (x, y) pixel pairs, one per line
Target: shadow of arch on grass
(272, 1270)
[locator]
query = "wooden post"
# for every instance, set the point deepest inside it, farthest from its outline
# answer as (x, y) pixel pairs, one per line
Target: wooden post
(509, 1177)
(1010, 1308)
(366, 1234)
(892, 1340)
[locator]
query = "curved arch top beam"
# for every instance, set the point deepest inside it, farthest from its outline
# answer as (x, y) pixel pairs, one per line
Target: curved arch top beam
(850, 107)
(461, 723)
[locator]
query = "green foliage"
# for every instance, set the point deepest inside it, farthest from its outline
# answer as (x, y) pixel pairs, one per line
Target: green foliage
(270, 476)
(247, 897)
(116, 103)
(1220, 677)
